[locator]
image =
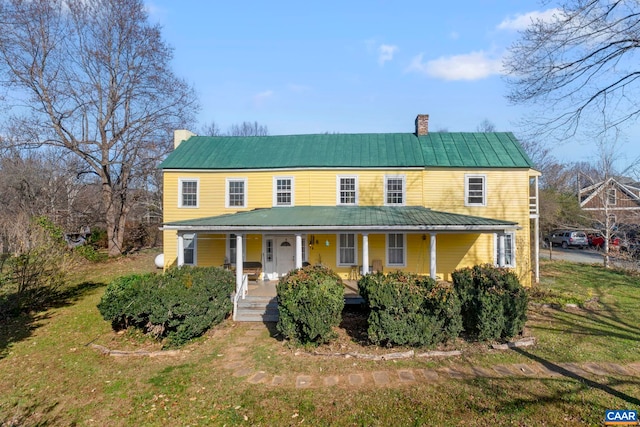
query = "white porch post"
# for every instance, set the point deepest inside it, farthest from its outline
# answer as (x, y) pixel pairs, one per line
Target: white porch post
(298, 251)
(501, 258)
(536, 249)
(180, 249)
(239, 261)
(365, 254)
(432, 256)
(537, 236)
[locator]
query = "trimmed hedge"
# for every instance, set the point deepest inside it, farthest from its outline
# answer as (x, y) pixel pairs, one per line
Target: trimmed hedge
(178, 305)
(310, 301)
(494, 303)
(407, 309)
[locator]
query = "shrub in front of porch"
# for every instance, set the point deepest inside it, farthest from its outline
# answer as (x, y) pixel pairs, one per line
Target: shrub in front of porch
(310, 301)
(407, 309)
(494, 303)
(178, 305)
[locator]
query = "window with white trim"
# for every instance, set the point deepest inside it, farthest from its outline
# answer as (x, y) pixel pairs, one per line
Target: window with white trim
(236, 193)
(509, 249)
(475, 189)
(347, 250)
(394, 190)
(611, 196)
(188, 189)
(189, 249)
(232, 245)
(282, 191)
(347, 190)
(396, 250)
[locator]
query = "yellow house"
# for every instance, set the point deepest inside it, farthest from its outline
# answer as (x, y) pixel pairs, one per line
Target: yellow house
(423, 202)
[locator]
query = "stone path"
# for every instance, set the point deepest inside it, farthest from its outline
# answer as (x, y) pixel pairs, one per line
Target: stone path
(242, 369)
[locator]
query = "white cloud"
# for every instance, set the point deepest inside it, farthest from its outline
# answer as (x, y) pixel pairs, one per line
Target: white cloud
(386, 52)
(260, 98)
(471, 66)
(522, 21)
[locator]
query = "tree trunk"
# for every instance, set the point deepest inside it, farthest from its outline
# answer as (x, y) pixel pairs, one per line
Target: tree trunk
(116, 218)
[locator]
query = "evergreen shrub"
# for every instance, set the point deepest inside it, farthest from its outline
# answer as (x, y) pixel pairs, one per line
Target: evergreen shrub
(494, 303)
(407, 309)
(178, 305)
(310, 302)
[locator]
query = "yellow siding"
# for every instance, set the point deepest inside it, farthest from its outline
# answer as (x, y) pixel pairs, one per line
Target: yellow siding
(441, 189)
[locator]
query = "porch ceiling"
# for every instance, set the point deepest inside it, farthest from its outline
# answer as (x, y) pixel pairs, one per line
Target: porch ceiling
(343, 218)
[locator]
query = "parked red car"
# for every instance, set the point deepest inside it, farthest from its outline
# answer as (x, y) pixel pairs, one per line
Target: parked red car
(596, 240)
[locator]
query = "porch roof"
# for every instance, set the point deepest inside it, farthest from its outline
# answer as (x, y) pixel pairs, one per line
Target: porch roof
(343, 218)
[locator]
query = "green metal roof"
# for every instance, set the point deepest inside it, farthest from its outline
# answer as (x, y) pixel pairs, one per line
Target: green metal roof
(436, 149)
(308, 218)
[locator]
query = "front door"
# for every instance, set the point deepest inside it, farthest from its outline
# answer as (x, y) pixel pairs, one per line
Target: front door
(285, 255)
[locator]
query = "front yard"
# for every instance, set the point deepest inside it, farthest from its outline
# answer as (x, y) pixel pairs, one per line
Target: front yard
(52, 374)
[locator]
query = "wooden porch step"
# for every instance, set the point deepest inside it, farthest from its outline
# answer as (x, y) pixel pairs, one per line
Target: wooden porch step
(265, 308)
(257, 309)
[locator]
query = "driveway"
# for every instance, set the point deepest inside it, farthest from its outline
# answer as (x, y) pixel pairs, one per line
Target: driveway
(586, 256)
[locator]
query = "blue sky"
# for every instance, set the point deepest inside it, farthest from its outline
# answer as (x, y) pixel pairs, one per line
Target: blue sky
(351, 66)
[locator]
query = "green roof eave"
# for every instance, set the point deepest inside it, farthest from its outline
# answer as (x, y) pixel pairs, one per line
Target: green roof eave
(343, 218)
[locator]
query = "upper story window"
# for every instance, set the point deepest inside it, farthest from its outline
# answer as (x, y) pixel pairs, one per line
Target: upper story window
(611, 196)
(236, 193)
(188, 189)
(475, 188)
(283, 191)
(394, 190)
(347, 190)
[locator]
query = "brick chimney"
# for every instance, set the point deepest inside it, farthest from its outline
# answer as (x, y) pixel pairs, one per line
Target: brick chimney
(422, 124)
(180, 135)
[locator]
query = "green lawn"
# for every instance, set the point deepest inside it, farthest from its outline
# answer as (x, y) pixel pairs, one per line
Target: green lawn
(50, 374)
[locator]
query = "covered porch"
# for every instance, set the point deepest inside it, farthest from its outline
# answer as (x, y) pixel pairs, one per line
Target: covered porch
(344, 237)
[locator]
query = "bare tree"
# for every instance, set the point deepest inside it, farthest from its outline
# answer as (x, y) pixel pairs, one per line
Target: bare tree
(486, 126)
(602, 193)
(248, 129)
(580, 64)
(211, 129)
(93, 77)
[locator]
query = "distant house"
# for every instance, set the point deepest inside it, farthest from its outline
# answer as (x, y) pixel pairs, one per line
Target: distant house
(423, 202)
(618, 197)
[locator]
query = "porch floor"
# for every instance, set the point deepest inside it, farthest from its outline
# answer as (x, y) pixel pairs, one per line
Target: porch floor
(261, 288)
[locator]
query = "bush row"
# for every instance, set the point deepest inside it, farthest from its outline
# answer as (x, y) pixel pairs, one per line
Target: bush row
(407, 309)
(178, 305)
(310, 301)
(494, 303)
(487, 303)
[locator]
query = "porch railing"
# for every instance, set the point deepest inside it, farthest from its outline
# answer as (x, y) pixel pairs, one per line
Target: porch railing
(241, 292)
(533, 205)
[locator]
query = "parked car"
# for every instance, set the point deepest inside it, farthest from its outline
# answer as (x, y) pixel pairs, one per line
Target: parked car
(596, 240)
(567, 238)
